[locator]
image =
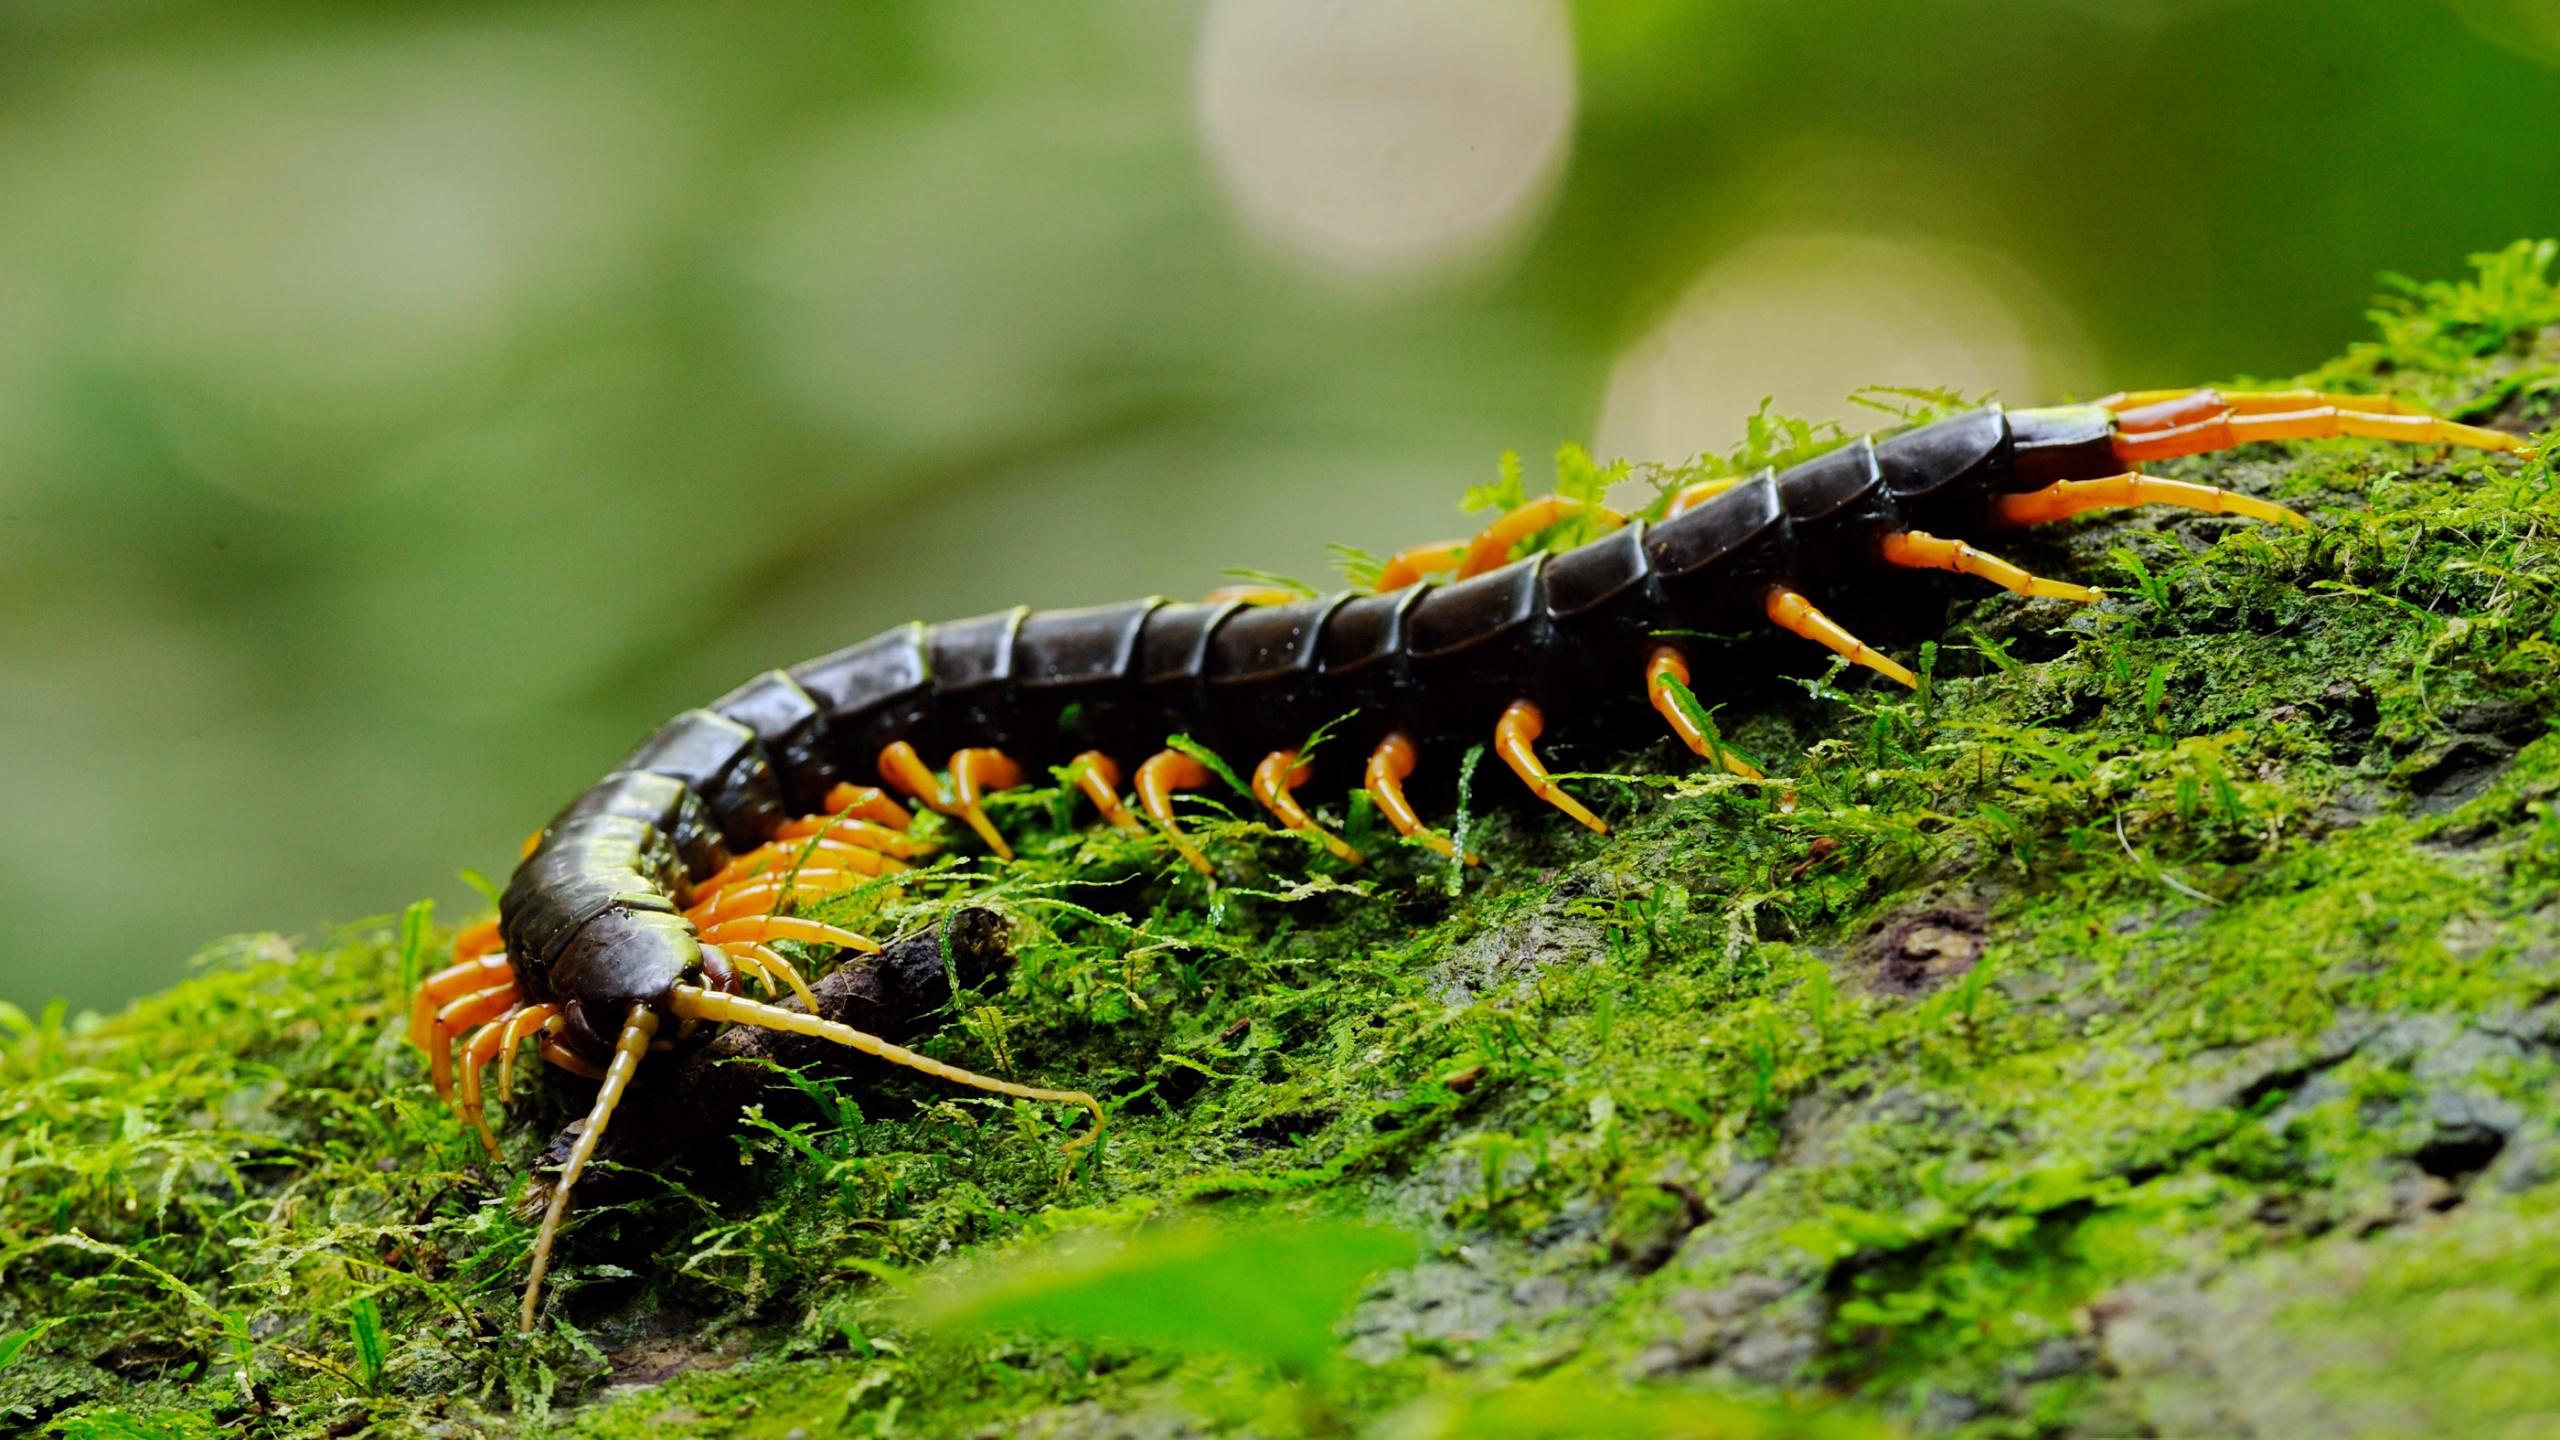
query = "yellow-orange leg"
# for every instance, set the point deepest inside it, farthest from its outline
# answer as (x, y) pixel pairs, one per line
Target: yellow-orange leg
(477, 1052)
(449, 984)
(1281, 772)
(1489, 547)
(773, 970)
(692, 1002)
(974, 772)
(1098, 776)
(786, 927)
(2228, 428)
(1917, 550)
(1515, 739)
(472, 1010)
(1792, 612)
(1690, 497)
(1667, 667)
(768, 863)
(1390, 765)
(2169, 409)
(1164, 773)
(562, 1056)
(2066, 498)
(529, 1021)
(475, 940)
(638, 1029)
(759, 897)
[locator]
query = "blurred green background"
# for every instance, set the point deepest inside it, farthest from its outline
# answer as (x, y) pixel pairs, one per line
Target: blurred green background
(403, 407)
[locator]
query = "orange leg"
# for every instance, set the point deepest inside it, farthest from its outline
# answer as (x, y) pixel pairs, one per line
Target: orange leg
(1489, 547)
(1252, 595)
(1166, 772)
(786, 927)
(564, 1057)
(1410, 565)
(1390, 765)
(1098, 776)
(449, 983)
(1914, 550)
(2065, 498)
(477, 1052)
(1280, 772)
(1515, 740)
(2230, 427)
(1792, 612)
(773, 970)
(1667, 667)
(2168, 409)
(771, 862)
(762, 897)
(845, 805)
(974, 771)
(1690, 497)
(530, 1020)
(476, 1008)
(473, 941)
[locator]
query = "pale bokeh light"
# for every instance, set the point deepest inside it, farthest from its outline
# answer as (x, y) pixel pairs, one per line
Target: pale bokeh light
(1387, 138)
(1806, 319)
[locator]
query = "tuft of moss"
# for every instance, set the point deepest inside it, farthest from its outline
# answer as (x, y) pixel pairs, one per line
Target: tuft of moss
(2147, 1025)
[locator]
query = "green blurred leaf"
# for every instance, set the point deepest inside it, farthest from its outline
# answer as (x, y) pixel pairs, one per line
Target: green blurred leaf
(1579, 1409)
(1258, 1291)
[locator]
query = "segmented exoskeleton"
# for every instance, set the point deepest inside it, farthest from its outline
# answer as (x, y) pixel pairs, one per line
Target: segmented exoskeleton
(638, 912)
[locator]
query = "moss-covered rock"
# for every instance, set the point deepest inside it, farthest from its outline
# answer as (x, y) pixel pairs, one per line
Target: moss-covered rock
(2148, 1027)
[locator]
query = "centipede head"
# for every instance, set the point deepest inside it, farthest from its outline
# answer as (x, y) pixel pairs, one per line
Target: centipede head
(621, 958)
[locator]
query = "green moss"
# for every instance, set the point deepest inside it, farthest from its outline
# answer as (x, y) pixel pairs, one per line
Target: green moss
(2164, 986)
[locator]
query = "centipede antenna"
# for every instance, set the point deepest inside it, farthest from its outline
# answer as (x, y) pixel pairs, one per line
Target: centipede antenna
(638, 1029)
(1665, 667)
(696, 1003)
(1098, 776)
(787, 927)
(1280, 772)
(1390, 765)
(2066, 498)
(1515, 739)
(1792, 612)
(1164, 773)
(1917, 550)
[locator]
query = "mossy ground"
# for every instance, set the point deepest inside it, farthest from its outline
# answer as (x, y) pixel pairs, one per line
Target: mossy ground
(2146, 1028)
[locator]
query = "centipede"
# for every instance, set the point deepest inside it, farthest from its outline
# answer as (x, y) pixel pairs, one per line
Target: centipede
(646, 912)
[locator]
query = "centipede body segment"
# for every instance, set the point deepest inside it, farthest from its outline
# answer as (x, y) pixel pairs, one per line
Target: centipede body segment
(642, 912)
